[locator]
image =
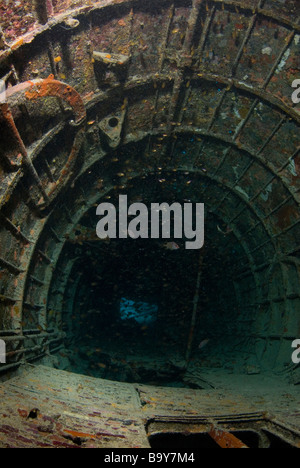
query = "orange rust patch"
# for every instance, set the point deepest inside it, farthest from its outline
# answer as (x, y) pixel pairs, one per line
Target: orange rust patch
(80, 434)
(22, 413)
(17, 44)
(225, 439)
(53, 88)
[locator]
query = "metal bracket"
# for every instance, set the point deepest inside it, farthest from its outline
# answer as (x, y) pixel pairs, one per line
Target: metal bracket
(33, 91)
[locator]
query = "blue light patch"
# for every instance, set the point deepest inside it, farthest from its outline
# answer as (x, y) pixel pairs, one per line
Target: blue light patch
(142, 312)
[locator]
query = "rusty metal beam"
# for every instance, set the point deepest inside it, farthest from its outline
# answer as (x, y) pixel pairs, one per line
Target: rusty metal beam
(288, 41)
(33, 306)
(270, 14)
(244, 43)
(54, 234)
(36, 280)
(26, 159)
(8, 299)
(166, 37)
(14, 229)
(194, 312)
(185, 59)
(8, 265)
(246, 120)
(68, 215)
(6, 367)
(274, 132)
(218, 107)
(205, 32)
(226, 153)
(45, 257)
(226, 440)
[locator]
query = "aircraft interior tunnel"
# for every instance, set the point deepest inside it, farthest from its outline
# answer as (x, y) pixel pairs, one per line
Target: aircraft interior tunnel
(169, 101)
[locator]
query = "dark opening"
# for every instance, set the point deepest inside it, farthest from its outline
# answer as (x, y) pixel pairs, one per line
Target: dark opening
(178, 441)
(251, 439)
(119, 334)
(113, 122)
(277, 443)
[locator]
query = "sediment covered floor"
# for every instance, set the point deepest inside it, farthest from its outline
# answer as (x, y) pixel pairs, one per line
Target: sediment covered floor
(44, 407)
